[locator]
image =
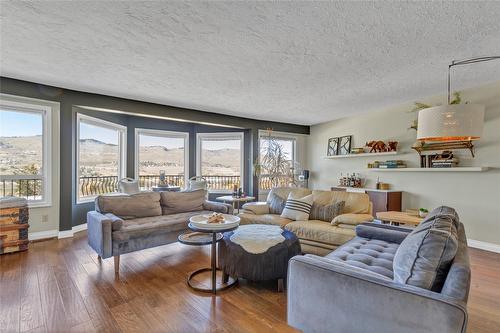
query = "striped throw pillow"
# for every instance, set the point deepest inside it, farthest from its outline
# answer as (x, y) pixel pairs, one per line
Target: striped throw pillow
(297, 209)
(326, 212)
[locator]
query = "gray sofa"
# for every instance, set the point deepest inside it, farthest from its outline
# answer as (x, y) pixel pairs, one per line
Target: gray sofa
(386, 279)
(127, 223)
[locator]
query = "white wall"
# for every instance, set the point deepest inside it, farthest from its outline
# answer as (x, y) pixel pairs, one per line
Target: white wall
(475, 195)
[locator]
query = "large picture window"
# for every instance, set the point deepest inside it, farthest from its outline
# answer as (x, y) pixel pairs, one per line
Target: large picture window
(100, 156)
(277, 156)
(161, 152)
(220, 160)
(25, 154)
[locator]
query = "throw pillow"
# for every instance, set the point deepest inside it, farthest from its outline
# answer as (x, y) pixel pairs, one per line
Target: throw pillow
(326, 212)
(276, 204)
(424, 256)
(180, 202)
(125, 206)
(297, 209)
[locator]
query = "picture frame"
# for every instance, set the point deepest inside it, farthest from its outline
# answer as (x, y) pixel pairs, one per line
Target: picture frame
(344, 145)
(333, 147)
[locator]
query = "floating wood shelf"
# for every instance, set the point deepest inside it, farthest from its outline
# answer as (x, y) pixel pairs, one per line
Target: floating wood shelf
(455, 169)
(363, 155)
(449, 145)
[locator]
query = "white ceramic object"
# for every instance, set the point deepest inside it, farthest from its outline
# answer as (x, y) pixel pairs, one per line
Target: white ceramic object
(201, 222)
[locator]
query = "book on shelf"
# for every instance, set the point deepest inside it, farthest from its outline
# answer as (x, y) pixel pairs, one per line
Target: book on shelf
(383, 166)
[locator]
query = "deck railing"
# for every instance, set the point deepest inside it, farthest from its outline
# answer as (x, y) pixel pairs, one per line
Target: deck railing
(146, 182)
(24, 186)
(267, 182)
(95, 185)
(31, 186)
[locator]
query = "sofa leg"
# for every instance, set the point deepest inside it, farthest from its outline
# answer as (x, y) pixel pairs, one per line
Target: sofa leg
(280, 286)
(99, 258)
(117, 263)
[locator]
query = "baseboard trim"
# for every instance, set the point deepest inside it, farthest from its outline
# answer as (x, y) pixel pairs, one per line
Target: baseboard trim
(483, 245)
(70, 233)
(32, 236)
(56, 233)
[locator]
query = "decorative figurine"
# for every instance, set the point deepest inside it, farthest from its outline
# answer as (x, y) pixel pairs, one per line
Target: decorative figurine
(376, 146)
(392, 145)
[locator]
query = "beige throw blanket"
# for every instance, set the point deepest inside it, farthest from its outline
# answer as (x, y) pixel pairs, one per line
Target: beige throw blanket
(257, 238)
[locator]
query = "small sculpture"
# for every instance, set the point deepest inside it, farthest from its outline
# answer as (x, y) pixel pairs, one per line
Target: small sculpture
(376, 146)
(393, 145)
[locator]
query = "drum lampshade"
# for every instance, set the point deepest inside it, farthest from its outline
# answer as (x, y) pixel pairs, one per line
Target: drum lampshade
(451, 123)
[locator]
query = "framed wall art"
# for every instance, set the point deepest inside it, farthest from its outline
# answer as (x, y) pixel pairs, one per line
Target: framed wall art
(333, 147)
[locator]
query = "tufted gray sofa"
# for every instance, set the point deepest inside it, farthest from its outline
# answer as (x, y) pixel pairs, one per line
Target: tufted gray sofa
(386, 279)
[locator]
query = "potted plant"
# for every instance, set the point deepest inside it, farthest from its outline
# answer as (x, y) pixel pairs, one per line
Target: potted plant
(422, 212)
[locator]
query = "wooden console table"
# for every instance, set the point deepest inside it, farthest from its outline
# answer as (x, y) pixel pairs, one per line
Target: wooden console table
(382, 200)
(399, 218)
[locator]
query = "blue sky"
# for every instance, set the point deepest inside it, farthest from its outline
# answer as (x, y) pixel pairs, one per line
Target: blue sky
(20, 123)
(98, 133)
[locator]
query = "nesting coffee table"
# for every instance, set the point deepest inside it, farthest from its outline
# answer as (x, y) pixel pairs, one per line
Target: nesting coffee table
(207, 236)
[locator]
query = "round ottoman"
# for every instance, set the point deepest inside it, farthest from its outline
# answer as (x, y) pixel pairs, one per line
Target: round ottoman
(262, 253)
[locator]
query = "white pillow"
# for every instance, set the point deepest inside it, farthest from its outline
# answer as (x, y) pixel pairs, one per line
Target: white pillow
(298, 209)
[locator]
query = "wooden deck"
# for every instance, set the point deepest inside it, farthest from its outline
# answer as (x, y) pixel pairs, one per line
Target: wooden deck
(60, 286)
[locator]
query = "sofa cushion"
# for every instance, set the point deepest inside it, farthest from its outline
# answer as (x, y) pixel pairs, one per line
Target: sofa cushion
(370, 254)
(320, 231)
(356, 203)
(272, 219)
(276, 204)
(352, 219)
(129, 206)
(326, 212)
(284, 192)
(424, 256)
(146, 226)
(297, 209)
(179, 202)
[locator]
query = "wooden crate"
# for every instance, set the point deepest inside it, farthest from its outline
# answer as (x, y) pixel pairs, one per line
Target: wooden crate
(14, 216)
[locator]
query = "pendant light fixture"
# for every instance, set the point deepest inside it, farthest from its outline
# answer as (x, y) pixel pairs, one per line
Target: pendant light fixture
(452, 122)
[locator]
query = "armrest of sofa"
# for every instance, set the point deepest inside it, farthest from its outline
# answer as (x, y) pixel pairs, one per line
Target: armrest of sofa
(353, 219)
(99, 231)
(388, 233)
(328, 296)
(218, 207)
(257, 208)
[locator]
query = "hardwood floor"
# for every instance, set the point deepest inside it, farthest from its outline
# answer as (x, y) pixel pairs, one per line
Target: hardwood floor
(60, 286)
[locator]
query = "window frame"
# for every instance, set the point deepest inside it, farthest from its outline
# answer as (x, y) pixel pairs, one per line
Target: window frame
(122, 144)
(165, 134)
(222, 135)
(46, 109)
(280, 136)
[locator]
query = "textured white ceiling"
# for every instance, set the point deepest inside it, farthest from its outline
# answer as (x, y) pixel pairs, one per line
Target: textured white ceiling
(297, 62)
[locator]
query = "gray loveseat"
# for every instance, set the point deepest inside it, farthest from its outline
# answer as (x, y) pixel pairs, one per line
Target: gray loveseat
(127, 223)
(386, 279)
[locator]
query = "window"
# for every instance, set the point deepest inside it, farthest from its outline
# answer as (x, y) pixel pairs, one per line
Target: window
(161, 151)
(25, 149)
(220, 160)
(277, 158)
(101, 155)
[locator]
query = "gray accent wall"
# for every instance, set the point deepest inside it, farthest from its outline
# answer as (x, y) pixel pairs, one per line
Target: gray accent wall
(133, 116)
